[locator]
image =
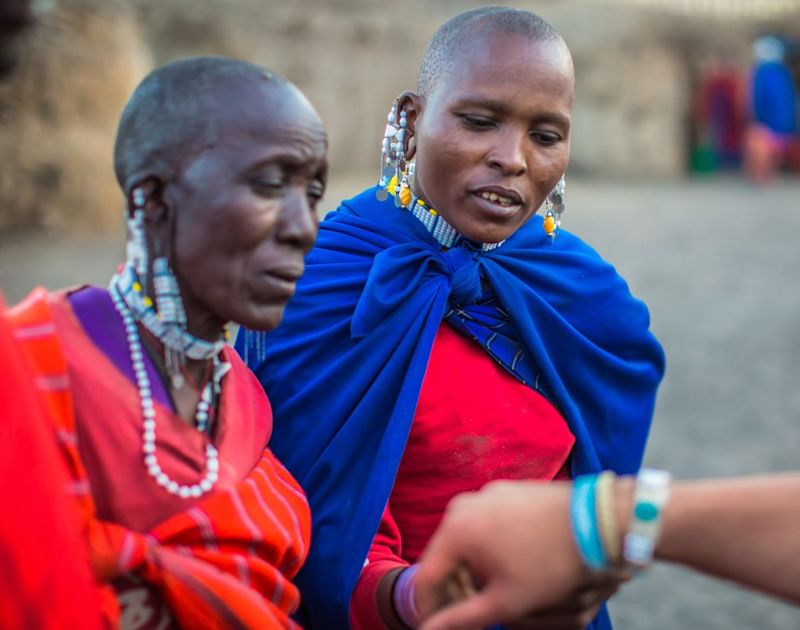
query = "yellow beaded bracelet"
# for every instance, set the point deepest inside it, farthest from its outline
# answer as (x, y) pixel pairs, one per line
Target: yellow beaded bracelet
(606, 517)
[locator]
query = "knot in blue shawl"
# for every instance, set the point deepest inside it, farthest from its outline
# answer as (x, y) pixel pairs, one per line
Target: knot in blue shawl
(403, 270)
(344, 370)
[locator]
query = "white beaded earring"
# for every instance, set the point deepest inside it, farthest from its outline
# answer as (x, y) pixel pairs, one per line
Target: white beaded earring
(554, 207)
(169, 306)
(136, 249)
(393, 160)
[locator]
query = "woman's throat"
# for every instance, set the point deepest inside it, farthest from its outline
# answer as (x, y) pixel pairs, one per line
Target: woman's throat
(444, 233)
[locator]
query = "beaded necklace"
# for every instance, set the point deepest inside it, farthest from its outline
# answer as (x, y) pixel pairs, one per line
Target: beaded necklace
(211, 391)
(127, 284)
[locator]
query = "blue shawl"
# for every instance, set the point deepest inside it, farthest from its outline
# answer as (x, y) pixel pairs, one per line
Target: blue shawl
(344, 369)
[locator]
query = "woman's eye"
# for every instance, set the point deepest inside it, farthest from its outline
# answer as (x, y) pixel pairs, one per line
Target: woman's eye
(480, 123)
(545, 138)
(315, 191)
(268, 186)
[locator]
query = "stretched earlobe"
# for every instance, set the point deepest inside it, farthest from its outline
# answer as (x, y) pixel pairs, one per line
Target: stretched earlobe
(398, 149)
(144, 194)
(411, 148)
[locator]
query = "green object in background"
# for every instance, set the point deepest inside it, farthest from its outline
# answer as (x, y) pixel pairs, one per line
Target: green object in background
(704, 159)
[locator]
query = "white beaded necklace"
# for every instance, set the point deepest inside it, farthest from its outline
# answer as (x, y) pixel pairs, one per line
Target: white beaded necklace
(149, 413)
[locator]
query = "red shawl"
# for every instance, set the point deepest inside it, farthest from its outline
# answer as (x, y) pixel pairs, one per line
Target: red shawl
(225, 562)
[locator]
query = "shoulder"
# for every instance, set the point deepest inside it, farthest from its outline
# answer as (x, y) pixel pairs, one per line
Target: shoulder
(368, 225)
(573, 279)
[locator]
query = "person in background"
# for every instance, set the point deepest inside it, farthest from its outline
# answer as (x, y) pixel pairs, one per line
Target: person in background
(719, 114)
(189, 519)
(771, 139)
(519, 541)
(445, 335)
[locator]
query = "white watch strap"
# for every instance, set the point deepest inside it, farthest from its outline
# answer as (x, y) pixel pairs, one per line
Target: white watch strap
(652, 492)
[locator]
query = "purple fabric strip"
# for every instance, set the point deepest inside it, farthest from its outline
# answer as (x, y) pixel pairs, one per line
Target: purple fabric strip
(101, 322)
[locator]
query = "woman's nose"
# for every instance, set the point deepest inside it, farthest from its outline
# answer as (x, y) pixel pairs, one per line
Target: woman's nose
(509, 154)
(298, 222)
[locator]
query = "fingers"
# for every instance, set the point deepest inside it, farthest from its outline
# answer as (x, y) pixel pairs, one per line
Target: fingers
(575, 612)
(476, 612)
(574, 620)
(433, 582)
(581, 600)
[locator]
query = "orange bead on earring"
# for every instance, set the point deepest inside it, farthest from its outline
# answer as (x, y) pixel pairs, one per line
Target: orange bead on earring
(549, 225)
(555, 206)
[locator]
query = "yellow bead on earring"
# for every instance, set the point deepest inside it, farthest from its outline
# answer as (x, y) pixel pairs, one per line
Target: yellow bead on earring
(405, 195)
(549, 225)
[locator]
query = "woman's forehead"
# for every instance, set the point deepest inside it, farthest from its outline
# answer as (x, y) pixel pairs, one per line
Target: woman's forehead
(266, 112)
(244, 145)
(498, 68)
(511, 57)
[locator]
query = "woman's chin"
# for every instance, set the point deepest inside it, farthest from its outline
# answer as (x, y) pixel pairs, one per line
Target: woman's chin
(262, 317)
(485, 233)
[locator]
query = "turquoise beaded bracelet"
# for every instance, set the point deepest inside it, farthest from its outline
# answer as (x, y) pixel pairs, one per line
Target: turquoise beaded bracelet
(585, 526)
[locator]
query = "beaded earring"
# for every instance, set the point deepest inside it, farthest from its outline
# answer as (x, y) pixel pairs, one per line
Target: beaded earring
(393, 159)
(136, 249)
(554, 207)
(169, 306)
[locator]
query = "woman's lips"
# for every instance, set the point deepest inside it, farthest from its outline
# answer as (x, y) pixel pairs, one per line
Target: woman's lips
(495, 205)
(277, 285)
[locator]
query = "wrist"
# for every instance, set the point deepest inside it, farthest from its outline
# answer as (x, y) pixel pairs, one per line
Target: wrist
(650, 497)
(385, 600)
(404, 597)
(624, 490)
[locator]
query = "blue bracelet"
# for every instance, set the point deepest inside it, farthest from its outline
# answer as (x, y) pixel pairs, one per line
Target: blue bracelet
(585, 527)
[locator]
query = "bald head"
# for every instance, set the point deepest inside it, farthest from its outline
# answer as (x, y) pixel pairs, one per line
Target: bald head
(448, 40)
(182, 108)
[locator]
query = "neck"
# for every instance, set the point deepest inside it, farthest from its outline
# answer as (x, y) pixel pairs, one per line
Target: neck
(203, 324)
(200, 339)
(444, 233)
(195, 368)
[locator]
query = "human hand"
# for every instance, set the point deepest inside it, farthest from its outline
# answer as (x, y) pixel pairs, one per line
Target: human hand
(514, 540)
(578, 608)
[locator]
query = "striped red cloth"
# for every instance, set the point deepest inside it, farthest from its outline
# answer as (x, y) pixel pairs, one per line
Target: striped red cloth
(223, 562)
(44, 575)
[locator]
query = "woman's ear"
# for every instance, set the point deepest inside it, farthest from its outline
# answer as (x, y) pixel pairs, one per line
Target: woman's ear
(147, 195)
(410, 103)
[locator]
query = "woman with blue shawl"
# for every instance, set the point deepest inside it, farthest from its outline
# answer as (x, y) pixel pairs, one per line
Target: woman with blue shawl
(445, 335)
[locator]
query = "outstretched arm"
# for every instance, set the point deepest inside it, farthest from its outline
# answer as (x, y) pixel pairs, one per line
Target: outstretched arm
(744, 530)
(515, 540)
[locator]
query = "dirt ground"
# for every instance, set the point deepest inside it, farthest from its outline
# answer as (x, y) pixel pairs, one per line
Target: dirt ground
(717, 261)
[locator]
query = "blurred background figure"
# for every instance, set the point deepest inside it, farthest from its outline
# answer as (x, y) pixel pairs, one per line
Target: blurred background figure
(720, 113)
(772, 140)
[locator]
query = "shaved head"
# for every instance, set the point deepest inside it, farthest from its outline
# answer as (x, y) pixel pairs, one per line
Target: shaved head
(448, 40)
(180, 109)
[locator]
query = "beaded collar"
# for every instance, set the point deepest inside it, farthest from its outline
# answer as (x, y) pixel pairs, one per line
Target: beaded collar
(126, 284)
(444, 233)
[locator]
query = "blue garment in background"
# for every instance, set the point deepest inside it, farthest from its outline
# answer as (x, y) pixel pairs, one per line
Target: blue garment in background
(344, 370)
(775, 97)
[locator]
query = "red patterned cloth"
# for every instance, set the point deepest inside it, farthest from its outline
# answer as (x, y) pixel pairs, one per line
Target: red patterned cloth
(221, 561)
(45, 581)
(474, 423)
